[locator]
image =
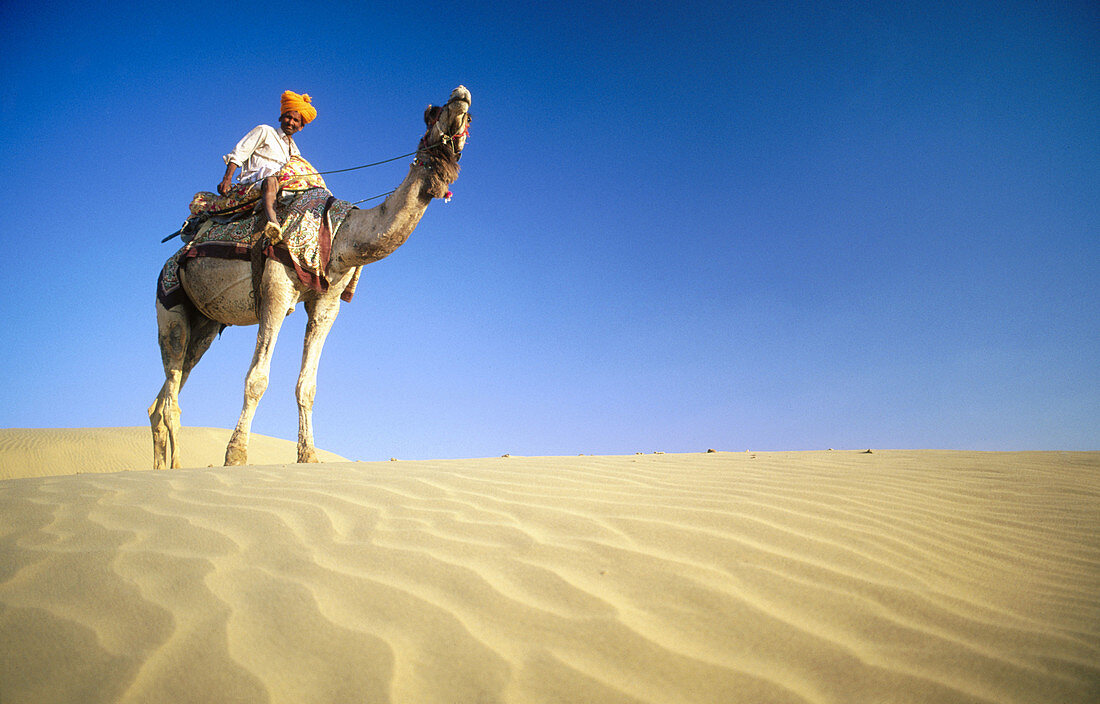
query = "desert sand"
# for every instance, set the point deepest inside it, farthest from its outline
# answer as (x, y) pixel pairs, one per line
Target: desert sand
(839, 576)
(42, 452)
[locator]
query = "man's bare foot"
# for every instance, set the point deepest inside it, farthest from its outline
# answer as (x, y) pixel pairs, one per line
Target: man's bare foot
(273, 232)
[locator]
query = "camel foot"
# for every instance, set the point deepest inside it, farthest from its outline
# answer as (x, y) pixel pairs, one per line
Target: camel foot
(235, 455)
(307, 454)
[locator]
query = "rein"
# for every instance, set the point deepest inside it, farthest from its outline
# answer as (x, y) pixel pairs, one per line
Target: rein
(444, 140)
(364, 166)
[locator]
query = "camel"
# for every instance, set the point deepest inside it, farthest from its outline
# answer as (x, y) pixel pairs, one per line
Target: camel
(219, 293)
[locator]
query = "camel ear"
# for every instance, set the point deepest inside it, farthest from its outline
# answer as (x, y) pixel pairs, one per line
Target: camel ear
(431, 114)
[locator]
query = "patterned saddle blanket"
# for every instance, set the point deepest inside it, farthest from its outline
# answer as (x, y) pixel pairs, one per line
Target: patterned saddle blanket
(309, 222)
(296, 175)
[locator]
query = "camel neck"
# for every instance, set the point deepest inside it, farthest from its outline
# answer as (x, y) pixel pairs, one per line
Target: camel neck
(369, 235)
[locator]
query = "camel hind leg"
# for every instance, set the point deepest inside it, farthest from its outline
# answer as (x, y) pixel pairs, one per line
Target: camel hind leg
(184, 335)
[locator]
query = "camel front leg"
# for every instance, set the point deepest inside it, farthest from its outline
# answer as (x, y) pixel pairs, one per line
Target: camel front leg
(278, 297)
(164, 418)
(184, 335)
(164, 414)
(321, 316)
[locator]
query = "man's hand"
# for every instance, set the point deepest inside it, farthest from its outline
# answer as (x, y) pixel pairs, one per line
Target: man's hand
(227, 180)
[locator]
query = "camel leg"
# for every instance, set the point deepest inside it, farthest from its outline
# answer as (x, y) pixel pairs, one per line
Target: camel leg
(278, 297)
(173, 331)
(321, 316)
(184, 336)
(203, 332)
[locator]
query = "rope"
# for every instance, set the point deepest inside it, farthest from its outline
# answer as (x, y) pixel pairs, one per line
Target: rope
(292, 190)
(380, 195)
(242, 206)
(364, 166)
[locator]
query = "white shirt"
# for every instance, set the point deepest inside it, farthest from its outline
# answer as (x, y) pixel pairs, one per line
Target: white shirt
(262, 152)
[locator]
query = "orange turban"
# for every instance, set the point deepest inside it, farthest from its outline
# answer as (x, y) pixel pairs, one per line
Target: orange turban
(301, 103)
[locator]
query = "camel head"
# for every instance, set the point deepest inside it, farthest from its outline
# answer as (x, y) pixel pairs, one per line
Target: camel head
(442, 145)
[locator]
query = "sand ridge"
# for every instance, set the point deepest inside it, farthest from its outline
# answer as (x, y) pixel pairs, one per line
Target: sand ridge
(42, 452)
(897, 576)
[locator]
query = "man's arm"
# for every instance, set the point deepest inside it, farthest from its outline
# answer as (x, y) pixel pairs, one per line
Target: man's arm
(241, 153)
(227, 180)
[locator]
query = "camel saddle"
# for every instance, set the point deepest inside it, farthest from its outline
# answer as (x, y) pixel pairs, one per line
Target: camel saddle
(309, 220)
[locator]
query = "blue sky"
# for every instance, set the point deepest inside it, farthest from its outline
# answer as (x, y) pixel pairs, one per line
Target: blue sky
(679, 226)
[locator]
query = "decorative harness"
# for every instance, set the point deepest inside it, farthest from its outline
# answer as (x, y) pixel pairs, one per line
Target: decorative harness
(444, 139)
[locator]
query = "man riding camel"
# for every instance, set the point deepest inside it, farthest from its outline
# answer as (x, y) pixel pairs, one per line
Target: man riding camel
(270, 158)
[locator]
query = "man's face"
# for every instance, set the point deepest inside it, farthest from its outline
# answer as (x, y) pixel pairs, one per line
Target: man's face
(291, 122)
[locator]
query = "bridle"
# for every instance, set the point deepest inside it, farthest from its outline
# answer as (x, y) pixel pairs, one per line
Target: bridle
(452, 140)
(445, 140)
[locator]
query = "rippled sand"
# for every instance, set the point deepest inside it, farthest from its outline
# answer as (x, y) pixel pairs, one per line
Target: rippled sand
(42, 452)
(727, 577)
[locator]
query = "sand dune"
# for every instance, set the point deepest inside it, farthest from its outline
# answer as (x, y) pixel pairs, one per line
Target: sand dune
(42, 452)
(726, 577)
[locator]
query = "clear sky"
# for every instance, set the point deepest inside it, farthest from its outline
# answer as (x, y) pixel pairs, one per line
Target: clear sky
(679, 226)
